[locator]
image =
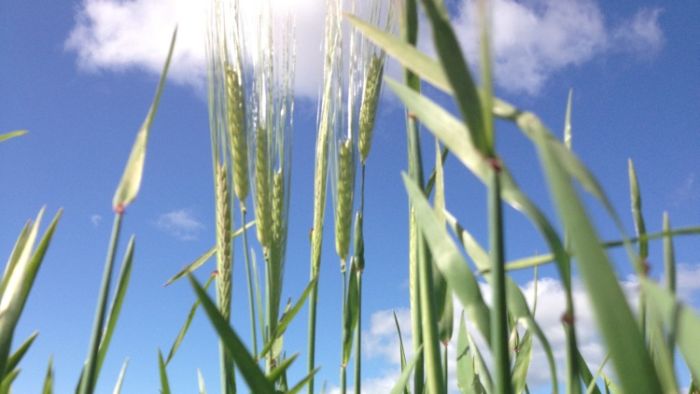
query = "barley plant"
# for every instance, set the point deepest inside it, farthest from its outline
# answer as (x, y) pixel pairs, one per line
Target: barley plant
(250, 60)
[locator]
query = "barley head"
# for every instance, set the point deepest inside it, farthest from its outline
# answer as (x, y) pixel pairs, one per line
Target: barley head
(343, 208)
(262, 188)
(235, 111)
(223, 240)
(278, 209)
(368, 107)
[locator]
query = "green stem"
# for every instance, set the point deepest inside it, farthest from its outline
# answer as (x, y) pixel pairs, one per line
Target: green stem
(358, 336)
(88, 383)
(343, 367)
(499, 322)
(444, 364)
(251, 296)
(429, 320)
(311, 343)
(410, 35)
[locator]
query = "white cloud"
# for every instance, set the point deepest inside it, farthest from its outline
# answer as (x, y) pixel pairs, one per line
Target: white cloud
(119, 35)
(96, 219)
(641, 33)
(532, 39)
(181, 224)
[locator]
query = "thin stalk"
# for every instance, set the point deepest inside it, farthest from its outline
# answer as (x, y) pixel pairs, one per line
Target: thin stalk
(445, 363)
(669, 278)
(251, 297)
(358, 336)
(358, 333)
(499, 322)
(410, 35)
(311, 348)
(88, 383)
(343, 367)
(429, 325)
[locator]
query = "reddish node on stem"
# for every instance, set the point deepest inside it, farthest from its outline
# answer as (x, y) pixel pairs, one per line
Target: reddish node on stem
(412, 116)
(215, 273)
(495, 163)
(119, 209)
(646, 267)
(567, 319)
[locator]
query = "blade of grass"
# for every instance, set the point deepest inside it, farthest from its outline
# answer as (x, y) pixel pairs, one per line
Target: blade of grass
(186, 326)
(523, 357)
(613, 314)
(541, 259)
(684, 320)
(585, 373)
(133, 172)
(401, 384)
(252, 374)
(640, 229)
(281, 368)
(116, 305)
(466, 374)
(200, 383)
(499, 307)
(483, 377)
(199, 261)
(431, 341)
(459, 76)
(287, 317)
(48, 379)
(517, 304)
(89, 378)
(120, 378)
(669, 277)
(12, 134)
(17, 356)
(592, 386)
(7, 381)
(17, 251)
(19, 285)
(409, 32)
(299, 386)
(448, 259)
(164, 383)
(351, 313)
(402, 352)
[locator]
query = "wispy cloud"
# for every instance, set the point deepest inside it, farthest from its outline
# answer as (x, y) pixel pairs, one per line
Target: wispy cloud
(96, 219)
(533, 39)
(687, 191)
(181, 224)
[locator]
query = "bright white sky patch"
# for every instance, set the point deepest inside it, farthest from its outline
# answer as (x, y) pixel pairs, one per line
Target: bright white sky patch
(532, 39)
(181, 224)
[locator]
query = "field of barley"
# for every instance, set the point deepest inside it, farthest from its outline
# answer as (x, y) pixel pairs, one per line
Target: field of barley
(350, 196)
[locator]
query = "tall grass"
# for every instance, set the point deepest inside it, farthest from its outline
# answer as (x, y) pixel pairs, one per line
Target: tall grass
(251, 109)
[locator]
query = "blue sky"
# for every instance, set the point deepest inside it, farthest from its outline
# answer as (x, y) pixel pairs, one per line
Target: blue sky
(80, 76)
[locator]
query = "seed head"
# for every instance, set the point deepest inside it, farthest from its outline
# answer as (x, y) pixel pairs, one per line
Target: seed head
(262, 189)
(368, 107)
(343, 209)
(235, 112)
